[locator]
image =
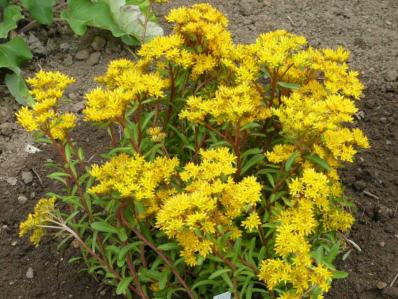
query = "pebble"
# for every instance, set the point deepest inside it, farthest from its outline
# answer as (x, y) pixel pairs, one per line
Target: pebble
(388, 142)
(68, 61)
(32, 195)
(14, 243)
(30, 274)
(27, 177)
(12, 181)
(64, 46)
(392, 292)
(94, 58)
(11, 283)
(382, 244)
(103, 293)
(98, 43)
(359, 185)
(22, 199)
(381, 285)
(36, 45)
(82, 54)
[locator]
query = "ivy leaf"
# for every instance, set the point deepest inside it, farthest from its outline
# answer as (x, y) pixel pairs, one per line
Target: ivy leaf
(11, 15)
(41, 10)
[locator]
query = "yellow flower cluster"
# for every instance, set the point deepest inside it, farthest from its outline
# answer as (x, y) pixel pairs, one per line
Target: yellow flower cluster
(47, 88)
(240, 104)
(124, 83)
(34, 222)
(310, 198)
(208, 204)
(133, 176)
(156, 134)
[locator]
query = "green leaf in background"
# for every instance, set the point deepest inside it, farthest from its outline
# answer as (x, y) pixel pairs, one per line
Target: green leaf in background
(122, 18)
(11, 15)
(12, 55)
(131, 20)
(317, 160)
(41, 10)
(81, 14)
(18, 89)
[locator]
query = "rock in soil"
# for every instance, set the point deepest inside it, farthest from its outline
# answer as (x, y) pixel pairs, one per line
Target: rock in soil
(22, 199)
(94, 58)
(98, 43)
(12, 181)
(82, 54)
(27, 177)
(30, 274)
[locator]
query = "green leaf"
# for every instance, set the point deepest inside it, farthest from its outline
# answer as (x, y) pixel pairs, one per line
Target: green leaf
(41, 10)
(291, 160)
(202, 283)
(18, 89)
(168, 246)
(340, 274)
(123, 285)
(317, 160)
(252, 162)
(4, 3)
(13, 54)
(289, 85)
(219, 273)
(11, 16)
(163, 279)
(104, 227)
(132, 21)
(81, 14)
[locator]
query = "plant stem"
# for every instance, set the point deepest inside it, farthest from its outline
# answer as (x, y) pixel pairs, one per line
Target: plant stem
(160, 254)
(135, 277)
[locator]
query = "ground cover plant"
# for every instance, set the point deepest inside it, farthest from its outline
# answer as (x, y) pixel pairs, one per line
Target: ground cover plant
(223, 173)
(133, 21)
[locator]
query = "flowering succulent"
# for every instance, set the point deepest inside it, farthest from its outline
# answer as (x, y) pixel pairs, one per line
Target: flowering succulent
(223, 172)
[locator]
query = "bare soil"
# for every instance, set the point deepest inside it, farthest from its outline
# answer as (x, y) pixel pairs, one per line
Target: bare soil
(368, 28)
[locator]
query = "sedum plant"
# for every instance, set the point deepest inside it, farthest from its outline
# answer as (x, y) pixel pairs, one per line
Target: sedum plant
(221, 172)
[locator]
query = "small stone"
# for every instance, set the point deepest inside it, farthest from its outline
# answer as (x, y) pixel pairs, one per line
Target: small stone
(383, 119)
(22, 199)
(12, 181)
(98, 43)
(359, 185)
(14, 243)
(51, 45)
(103, 293)
(392, 292)
(36, 45)
(11, 283)
(388, 142)
(68, 61)
(70, 296)
(381, 285)
(77, 107)
(391, 75)
(94, 58)
(27, 177)
(360, 115)
(32, 195)
(30, 274)
(82, 54)
(64, 47)
(382, 244)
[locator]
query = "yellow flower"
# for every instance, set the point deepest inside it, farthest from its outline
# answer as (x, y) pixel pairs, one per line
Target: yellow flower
(156, 134)
(34, 222)
(251, 222)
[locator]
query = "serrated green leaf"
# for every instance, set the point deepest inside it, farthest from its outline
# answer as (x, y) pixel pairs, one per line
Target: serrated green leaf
(11, 16)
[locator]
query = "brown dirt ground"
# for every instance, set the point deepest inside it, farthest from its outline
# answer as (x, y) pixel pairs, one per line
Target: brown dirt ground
(368, 28)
